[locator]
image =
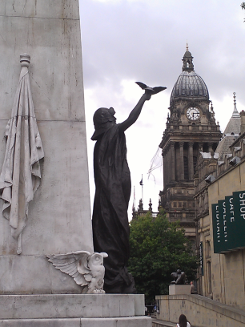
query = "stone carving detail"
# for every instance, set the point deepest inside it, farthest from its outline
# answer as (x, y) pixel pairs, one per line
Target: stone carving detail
(21, 174)
(86, 269)
(178, 277)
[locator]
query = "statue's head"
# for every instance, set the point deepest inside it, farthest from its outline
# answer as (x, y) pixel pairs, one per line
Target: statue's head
(103, 119)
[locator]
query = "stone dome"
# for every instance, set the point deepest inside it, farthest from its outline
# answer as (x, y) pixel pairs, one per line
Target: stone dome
(189, 84)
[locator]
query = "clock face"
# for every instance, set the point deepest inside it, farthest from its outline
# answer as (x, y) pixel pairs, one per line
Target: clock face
(193, 113)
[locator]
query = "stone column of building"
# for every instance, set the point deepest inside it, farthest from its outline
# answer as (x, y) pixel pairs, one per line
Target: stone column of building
(181, 160)
(167, 162)
(164, 162)
(190, 160)
(210, 147)
(200, 147)
(172, 149)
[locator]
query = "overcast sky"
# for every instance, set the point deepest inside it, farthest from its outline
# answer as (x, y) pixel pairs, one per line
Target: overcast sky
(125, 41)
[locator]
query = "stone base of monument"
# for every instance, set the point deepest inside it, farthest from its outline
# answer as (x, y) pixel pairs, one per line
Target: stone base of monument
(179, 289)
(73, 310)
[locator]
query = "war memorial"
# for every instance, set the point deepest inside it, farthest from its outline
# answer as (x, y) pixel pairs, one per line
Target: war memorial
(50, 274)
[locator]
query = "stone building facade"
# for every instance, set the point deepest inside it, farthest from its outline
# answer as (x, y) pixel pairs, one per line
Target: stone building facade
(219, 175)
(190, 128)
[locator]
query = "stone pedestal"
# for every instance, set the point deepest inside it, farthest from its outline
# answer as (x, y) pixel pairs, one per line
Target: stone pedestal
(179, 289)
(63, 310)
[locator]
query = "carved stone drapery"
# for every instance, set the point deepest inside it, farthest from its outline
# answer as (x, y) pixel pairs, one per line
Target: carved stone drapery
(20, 176)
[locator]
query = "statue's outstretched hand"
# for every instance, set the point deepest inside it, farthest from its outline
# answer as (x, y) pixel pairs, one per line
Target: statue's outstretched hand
(147, 95)
(133, 116)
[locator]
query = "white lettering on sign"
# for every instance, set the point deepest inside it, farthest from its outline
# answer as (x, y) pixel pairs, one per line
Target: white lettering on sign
(241, 195)
(242, 205)
(232, 213)
(224, 222)
(217, 223)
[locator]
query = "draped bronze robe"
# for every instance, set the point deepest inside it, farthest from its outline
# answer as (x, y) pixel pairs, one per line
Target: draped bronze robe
(110, 219)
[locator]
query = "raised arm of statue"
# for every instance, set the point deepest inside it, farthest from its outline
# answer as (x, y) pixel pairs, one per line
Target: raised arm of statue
(149, 91)
(134, 114)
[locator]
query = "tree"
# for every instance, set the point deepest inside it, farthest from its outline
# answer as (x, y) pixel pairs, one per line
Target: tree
(157, 248)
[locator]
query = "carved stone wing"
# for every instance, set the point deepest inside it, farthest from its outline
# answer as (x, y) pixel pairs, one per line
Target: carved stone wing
(73, 264)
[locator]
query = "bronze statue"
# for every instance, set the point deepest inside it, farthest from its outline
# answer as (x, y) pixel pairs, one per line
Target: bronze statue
(178, 277)
(112, 194)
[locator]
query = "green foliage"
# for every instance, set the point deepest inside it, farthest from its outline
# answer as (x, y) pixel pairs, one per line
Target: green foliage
(157, 248)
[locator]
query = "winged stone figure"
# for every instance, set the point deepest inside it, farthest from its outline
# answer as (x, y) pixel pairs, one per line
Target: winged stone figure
(86, 269)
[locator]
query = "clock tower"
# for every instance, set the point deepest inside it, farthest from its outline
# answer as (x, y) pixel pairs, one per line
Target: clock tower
(190, 128)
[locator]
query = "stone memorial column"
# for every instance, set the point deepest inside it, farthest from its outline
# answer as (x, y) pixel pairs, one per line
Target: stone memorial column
(44, 272)
(59, 218)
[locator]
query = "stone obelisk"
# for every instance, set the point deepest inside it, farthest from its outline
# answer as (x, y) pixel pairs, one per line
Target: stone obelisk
(46, 113)
(59, 218)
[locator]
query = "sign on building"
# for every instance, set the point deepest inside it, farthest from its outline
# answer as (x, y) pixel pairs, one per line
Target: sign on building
(217, 228)
(239, 213)
(228, 218)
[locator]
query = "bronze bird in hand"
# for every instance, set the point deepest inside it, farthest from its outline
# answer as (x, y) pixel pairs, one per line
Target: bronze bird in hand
(151, 90)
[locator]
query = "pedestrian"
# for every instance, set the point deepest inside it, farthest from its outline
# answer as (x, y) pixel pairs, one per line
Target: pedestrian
(183, 321)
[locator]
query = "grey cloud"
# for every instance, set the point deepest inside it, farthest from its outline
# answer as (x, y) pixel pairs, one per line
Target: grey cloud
(145, 40)
(135, 40)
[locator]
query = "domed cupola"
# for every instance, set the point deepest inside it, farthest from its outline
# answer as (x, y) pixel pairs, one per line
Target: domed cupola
(189, 84)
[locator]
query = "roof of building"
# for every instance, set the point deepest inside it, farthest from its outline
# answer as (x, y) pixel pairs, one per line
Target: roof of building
(189, 83)
(223, 147)
(234, 125)
(231, 132)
